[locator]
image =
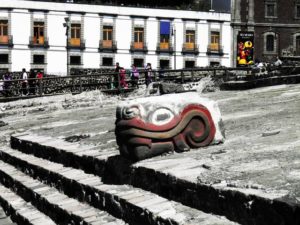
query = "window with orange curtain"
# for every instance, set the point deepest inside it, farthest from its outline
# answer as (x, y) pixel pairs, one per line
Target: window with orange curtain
(214, 40)
(3, 31)
(38, 33)
(190, 39)
(75, 34)
(138, 37)
(107, 36)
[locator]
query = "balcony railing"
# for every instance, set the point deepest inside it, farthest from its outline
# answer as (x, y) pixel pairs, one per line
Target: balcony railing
(190, 48)
(164, 48)
(107, 46)
(40, 42)
(215, 49)
(76, 43)
(6, 40)
(138, 47)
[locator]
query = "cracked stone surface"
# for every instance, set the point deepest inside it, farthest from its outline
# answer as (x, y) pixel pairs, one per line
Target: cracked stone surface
(260, 156)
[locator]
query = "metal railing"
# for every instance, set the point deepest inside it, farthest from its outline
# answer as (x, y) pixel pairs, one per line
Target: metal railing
(6, 40)
(38, 42)
(111, 82)
(107, 46)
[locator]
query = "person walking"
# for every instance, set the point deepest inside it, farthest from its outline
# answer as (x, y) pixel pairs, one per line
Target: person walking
(135, 75)
(116, 75)
(24, 82)
(148, 74)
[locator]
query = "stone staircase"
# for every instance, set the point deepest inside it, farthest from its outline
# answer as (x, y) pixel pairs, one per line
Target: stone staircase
(52, 182)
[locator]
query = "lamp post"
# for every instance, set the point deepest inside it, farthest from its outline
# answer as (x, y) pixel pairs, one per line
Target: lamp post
(174, 34)
(67, 26)
(211, 6)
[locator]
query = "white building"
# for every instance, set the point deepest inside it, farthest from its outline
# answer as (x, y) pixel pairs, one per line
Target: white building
(33, 35)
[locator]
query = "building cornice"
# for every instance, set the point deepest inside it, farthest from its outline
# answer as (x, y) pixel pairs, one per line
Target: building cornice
(277, 25)
(108, 14)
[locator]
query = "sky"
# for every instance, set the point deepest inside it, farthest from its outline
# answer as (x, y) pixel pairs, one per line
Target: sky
(221, 5)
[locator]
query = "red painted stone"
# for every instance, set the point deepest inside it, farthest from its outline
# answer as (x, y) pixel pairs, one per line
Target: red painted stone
(192, 128)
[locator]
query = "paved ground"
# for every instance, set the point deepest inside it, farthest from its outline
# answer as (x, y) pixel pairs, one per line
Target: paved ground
(260, 157)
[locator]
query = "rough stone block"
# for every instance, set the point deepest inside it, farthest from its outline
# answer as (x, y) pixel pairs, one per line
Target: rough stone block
(153, 125)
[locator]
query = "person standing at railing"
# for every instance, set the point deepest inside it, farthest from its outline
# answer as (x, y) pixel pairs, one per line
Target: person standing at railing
(39, 76)
(116, 75)
(278, 62)
(32, 82)
(122, 74)
(148, 74)
(2, 87)
(7, 84)
(135, 76)
(24, 82)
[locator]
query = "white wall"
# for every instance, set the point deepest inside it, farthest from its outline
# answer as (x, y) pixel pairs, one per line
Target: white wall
(57, 62)
(91, 31)
(56, 30)
(57, 56)
(20, 59)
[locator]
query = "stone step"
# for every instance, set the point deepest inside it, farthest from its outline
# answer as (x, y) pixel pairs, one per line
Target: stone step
(133, 205)
(49, 200)
(87, 158)
(5, 219)
(22, 212)
(175, 179)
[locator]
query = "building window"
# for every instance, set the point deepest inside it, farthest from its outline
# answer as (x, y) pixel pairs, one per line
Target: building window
(107, 61)
(189, 64)
(164, 35)
(75, 34)
(3, 58)
(297, 47)
(190, 39)
(270, 9)
(138, 62)
(138, 38)
(3, 31)
(164, 64)
(75, 60)
(4, 70)
(38, 59)
(214, 40)
(297, 9)
(38, 33)
(270, 43)
(214, 64)
(107, 36)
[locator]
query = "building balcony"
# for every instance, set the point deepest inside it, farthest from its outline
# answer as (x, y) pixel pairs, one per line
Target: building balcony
(6, 40)
(215, 49)
(164, 48)
(138, 47)
(107, 46)
(40, 42)
(76, 43)
(190, 48)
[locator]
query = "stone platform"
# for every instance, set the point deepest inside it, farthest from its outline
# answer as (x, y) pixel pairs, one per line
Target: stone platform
(253, 178)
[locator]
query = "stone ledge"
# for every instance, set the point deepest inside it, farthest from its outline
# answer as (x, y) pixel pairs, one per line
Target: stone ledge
(216, 199)
(21, 212)
(122, 201)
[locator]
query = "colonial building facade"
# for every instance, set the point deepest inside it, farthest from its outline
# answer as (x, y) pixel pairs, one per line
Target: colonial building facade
(56, 37)
(272, 27)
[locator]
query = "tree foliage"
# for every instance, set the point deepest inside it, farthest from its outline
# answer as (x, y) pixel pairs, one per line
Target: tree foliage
(198, 5)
